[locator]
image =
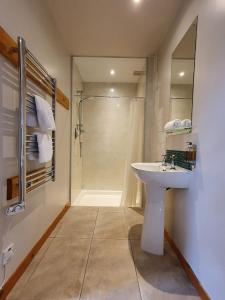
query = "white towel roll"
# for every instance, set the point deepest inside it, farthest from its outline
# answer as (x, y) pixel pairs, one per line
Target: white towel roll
(173, 125)
(186, 123)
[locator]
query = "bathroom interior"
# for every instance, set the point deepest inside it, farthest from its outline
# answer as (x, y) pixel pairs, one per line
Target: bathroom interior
(107, 120)
(112, 149)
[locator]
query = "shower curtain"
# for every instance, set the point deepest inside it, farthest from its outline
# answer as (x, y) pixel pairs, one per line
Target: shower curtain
(132, 191)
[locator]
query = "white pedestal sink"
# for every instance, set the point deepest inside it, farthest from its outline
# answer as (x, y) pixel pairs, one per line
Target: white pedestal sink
(157, 179)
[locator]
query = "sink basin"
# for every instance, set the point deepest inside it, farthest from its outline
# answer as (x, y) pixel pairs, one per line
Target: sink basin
(156, 179)
(156, 173)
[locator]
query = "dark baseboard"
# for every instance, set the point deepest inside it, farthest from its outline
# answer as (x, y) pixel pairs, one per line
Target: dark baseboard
(27, 260)
(188, 270)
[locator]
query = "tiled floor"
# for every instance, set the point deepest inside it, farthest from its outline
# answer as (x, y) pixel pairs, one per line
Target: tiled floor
(95, 254)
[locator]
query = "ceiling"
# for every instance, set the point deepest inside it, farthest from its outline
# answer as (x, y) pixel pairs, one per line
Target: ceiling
(118, 28)
(97, 69)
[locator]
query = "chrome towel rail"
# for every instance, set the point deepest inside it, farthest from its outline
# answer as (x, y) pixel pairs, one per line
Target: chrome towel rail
(27, 143)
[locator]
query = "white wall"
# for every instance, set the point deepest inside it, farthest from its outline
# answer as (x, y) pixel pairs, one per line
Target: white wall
(30, 19)
(106, 124)
(196, 217)
(141, 86)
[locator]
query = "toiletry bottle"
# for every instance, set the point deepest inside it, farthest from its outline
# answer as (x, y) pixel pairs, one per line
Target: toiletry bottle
(194, 147)
(188, 151)
(191, 153)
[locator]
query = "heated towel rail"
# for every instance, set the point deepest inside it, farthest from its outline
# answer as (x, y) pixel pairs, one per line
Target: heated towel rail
(27, 144)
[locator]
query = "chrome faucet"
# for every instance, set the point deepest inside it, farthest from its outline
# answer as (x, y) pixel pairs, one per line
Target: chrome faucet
(172, 164)
(164, 163)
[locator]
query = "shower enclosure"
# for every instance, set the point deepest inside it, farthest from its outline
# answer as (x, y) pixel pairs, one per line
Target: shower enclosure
(107, 133)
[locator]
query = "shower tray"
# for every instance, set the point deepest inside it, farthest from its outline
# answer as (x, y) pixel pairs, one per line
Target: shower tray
(98, 198)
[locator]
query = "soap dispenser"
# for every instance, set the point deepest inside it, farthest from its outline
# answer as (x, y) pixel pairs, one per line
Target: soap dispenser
(191, 153)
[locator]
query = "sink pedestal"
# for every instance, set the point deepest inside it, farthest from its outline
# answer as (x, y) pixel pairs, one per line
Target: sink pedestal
(152, 239)
(156, 179)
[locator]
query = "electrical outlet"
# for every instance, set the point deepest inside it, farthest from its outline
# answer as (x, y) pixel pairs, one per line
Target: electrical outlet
(7, 253)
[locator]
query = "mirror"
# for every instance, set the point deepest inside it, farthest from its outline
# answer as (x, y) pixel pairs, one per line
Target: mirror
(182, 80)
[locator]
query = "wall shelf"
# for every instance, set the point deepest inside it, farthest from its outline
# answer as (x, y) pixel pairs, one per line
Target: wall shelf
(179, 131)
(180, 98)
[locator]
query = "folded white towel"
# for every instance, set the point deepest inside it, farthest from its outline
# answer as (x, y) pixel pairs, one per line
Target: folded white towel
(45, 150)
(32, 120)
(33, 156)
(173, 125)
(186, 123)
(44, 114)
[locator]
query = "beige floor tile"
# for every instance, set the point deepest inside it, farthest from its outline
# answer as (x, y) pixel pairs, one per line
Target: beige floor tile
(134, 231)
(78, 214)
(82, 210)
(76, 230)
(71, 248)
(57, 271)
(133, 214)
(161, 277)
(110, 209)
(77, 223)
(134, 219)
(60, 274)
(111, 225)
(14, 294)
(110, 272)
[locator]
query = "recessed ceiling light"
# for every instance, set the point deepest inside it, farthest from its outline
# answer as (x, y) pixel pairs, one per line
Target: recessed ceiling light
(181, 74)
(112, 90)
(112, 72)
(137, 1)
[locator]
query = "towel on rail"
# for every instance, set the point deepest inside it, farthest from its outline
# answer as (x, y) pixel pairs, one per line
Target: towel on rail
(32, 120)
(44, 114)
(45, 149)
(32, 155)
